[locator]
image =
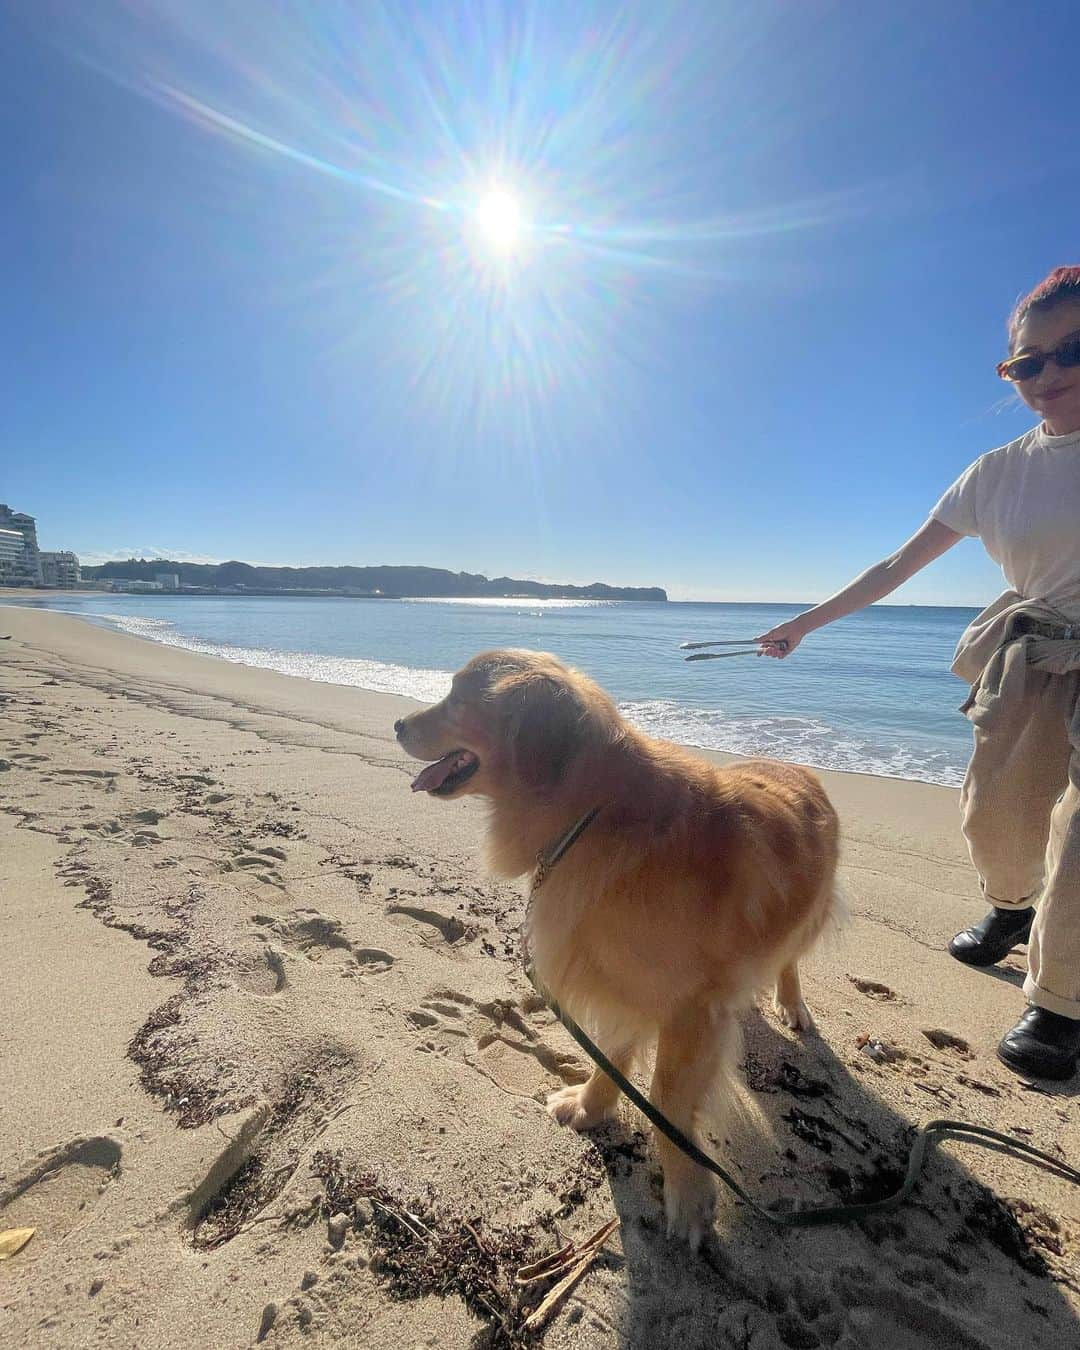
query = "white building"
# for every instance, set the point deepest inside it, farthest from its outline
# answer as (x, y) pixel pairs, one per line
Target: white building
(20, 562)
(130, 585)
(12, 558)
(170, 581)
(60, 569)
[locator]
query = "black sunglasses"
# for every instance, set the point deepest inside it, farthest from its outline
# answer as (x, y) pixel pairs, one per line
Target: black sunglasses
(1065, 354)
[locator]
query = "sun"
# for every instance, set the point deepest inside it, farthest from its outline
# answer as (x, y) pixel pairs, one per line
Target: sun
(499, 219)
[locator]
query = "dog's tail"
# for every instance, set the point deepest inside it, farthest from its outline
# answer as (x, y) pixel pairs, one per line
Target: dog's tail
(729, 1109)
(839, 907)
(836, 913)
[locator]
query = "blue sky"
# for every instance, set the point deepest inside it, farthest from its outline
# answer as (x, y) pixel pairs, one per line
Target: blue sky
(742, 339)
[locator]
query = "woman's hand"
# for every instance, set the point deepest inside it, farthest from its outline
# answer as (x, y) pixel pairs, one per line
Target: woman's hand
(782, 640)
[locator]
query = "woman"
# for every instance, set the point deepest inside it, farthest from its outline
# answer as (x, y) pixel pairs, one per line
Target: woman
(1022, 658)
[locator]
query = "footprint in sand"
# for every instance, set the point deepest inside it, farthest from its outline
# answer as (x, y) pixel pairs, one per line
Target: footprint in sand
(264, 1153)
(102, 775)
(322, 938)
(525, 1069)
(265, 975)
(441, 1016)
(872, 989)
(59, 1190)
(118, 830)
(147, 817)
(498, 1041)
(373, 959)
(452, 929)
(317, 935)
(885, 1314)
(256, 864)
(945, 1040)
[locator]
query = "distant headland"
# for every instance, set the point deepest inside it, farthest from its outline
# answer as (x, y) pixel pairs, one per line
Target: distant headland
(238, 578)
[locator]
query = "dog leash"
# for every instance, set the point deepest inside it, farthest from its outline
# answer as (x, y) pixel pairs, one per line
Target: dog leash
(755, 650)
(934, 1131)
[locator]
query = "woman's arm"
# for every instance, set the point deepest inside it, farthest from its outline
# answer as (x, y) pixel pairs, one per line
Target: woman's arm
(882, 579)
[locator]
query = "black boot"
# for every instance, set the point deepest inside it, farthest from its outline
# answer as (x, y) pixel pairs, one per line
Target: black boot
(987, 942)
(1043, 1044)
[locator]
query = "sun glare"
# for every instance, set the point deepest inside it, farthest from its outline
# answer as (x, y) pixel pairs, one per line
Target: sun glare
(499, 218)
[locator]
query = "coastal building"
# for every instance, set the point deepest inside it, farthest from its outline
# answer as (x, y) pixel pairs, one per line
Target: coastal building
(126, 585)
(170, 581)
(60, 569)
(12, 558)
(20, 561)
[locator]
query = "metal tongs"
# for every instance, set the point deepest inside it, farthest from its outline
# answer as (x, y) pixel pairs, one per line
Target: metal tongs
(753, 650)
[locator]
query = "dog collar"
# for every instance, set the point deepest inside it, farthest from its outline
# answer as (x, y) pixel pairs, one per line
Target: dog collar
(548, 857)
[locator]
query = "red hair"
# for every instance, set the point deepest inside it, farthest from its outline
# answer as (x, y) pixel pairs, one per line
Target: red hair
(1062, 284)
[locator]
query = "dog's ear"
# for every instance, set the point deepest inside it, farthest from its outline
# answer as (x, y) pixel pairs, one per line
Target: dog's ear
(543, 726)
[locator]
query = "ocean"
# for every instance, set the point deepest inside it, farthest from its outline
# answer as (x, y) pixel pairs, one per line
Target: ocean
(872, 693)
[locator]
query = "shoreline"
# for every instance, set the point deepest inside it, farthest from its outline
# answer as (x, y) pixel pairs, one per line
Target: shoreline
(245, 964)
(715, 756)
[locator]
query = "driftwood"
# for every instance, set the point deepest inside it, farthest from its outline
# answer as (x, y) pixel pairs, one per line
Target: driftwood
(571, 1262)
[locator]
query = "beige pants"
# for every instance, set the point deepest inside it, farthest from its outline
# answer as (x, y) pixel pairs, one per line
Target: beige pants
(1021, 822)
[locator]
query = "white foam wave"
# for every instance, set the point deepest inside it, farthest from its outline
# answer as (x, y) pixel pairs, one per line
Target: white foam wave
(801, 740)
(383, 677)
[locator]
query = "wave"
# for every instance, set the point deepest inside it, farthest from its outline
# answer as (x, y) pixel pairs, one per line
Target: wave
(382, 677)
(802, 740)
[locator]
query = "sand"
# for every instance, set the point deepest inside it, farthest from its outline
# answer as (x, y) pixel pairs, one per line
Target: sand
(251, 983)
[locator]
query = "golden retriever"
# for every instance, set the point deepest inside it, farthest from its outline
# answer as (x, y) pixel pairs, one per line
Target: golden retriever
(694, 886)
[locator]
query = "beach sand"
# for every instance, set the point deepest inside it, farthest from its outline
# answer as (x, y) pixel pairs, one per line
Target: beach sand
(250, 983)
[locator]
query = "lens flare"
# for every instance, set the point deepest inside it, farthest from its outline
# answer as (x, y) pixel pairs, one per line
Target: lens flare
(499, 220)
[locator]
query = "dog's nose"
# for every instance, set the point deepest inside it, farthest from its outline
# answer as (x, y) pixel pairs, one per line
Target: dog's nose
(397, 727)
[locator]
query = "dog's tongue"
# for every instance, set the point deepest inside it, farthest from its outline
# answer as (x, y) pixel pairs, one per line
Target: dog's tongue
(436, 774)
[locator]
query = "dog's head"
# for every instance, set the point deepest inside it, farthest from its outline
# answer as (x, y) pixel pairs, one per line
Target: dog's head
(511, 719)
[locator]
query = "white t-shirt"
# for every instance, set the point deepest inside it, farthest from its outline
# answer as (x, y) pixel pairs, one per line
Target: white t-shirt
(1023, 502)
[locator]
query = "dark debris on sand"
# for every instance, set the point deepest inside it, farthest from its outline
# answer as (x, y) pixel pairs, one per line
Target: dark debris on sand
(422, 1248)
(152, 1048)
(282, 1141)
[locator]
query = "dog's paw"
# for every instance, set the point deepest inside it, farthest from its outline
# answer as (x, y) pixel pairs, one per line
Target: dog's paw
(794, 1015)
(689, 1204)
(571, 1106)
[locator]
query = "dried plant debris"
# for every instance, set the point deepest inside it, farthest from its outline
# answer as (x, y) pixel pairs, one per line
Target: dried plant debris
(282, 1143)
(991, 1218)
(420, 1248)
(783, 1077)
(881, 1179)
(153, 1049)
(818, 1132)
(571, 1263)
(100, 901)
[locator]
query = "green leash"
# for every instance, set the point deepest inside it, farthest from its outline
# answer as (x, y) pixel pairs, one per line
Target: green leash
(934, 1130)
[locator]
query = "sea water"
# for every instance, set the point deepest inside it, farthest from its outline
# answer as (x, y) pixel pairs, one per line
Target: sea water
(871, 693)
